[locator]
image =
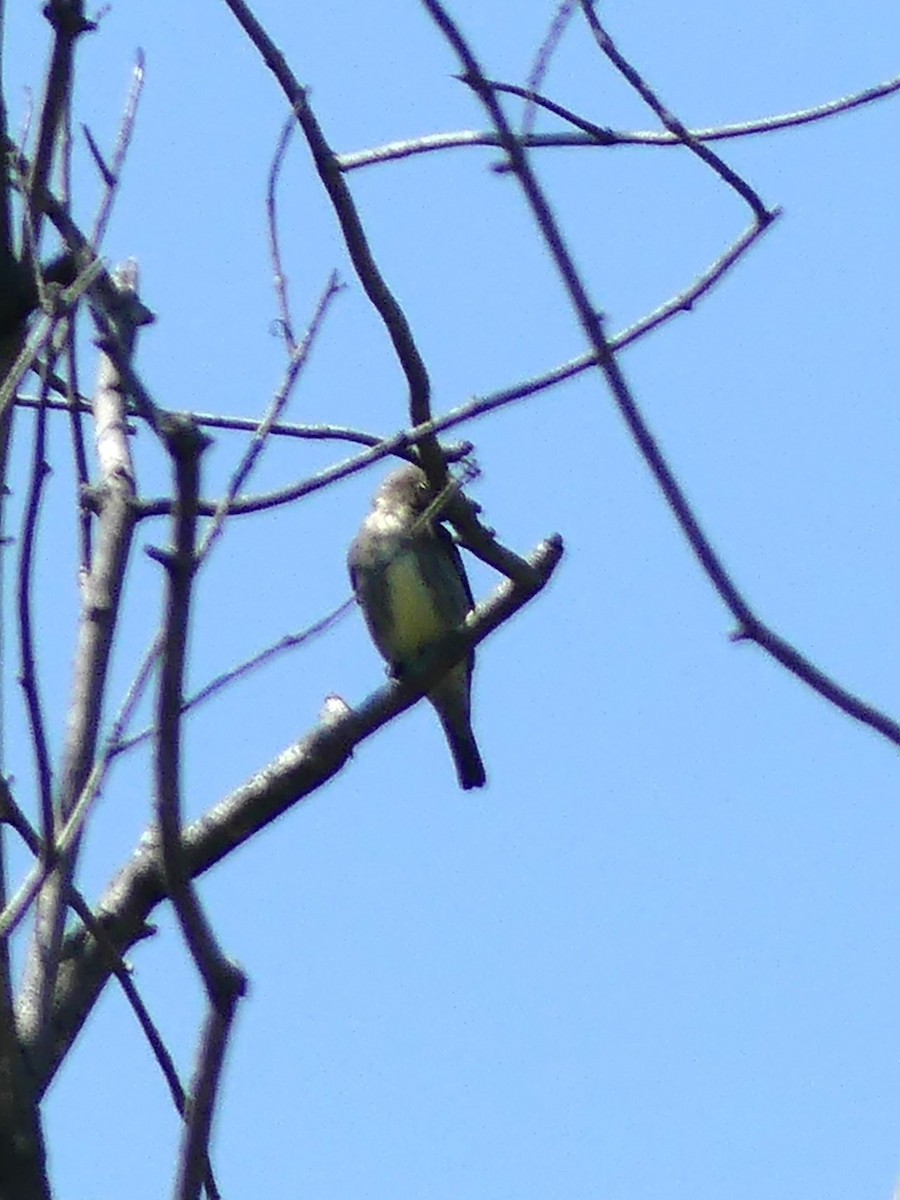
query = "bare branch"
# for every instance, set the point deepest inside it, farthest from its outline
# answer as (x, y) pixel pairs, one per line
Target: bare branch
(290, 641)
(671, 122)
(545, 53)
(321, 433)
(40, 469)
(102, 589)
(477, 407)
(224, 982)
(27, 356)
(370, 276)
(11, 814)
(298, 359)
(598, 135)
(69, 23)
(193, 1167)
(293, 776)
(314, 433)
(112, 175)
(185, 444)
(79, 450)
(279, 278)
(749, 625)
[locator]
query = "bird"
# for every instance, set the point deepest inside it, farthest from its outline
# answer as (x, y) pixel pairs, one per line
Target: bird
(410, 582)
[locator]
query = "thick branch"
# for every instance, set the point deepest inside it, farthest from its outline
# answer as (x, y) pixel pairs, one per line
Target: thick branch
(99, 614)
(293, 776)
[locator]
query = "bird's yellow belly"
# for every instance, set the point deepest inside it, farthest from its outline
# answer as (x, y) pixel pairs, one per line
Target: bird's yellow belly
(417, 622)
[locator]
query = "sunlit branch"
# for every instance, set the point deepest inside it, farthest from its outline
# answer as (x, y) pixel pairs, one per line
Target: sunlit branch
(601, 136)
(749, 626)
(370, 276)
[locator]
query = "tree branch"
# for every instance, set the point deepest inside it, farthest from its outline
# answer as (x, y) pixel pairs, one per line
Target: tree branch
(749, 626)
(370, 276)
(224, 983)
(289, 779)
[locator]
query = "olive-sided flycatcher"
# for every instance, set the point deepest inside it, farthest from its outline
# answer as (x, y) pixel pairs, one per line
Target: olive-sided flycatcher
(411, 584)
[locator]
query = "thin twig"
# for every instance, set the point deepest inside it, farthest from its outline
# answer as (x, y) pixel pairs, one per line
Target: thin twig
(371, 278)
(299, 357)
(79, 449)
(75, 427)
(479, 406)
(321, 433)
(113, 175)
(682, 302)
(28, 676)
(16, 909)
(315, 433)
(97, 155)
(599, 133)
(18, 906)
(38, 339)
(685, 301)
(601, 136)
(279, 278)
(133, 696)
(396, 444)
(749, 626)
(289, 642)
(545, 53)
(671, 122)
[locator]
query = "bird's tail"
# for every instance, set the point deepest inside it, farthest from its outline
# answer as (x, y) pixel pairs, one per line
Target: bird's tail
(451, 703)
(466, 756)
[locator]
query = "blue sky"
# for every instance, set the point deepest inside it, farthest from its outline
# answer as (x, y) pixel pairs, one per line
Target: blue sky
(656, 954)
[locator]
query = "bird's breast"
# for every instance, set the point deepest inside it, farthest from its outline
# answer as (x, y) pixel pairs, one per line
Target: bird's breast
(416, 619)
